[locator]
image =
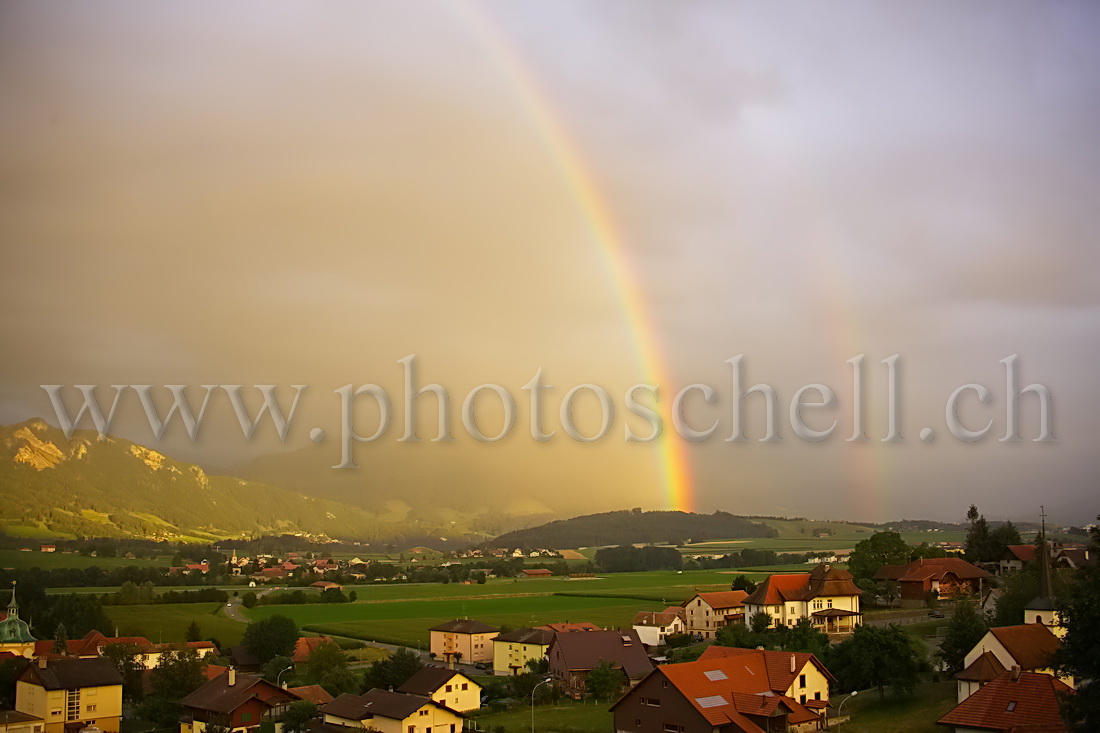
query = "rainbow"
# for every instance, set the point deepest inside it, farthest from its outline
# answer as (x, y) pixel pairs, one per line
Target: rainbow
(675, 471)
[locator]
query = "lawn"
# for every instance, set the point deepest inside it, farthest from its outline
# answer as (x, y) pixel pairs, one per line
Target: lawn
(587, 716)
(407, 622)
(916, 713)
(168, 621)
(54, 560)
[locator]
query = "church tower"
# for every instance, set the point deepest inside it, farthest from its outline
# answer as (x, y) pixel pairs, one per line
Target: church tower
(1041, 609)
(15, 634)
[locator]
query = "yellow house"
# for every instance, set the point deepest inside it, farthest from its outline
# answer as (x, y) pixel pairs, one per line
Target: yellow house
(705, 613)
(71, 693)
(827, 596)
(446, 687)
(1030, 647)
(514, 649)
(391, 712)
(463, 640)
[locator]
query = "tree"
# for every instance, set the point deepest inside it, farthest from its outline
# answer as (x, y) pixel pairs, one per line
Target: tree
(879, 657)
(888, 590)
(978, 547)
(178, 673)
(353, 596)
(10, 669)
(605, 680)
(1001, 538)
(298, 716)
(80, 613)
(804, 637)
(271, 637)
(965, 629)
(248, 600)
(194, 632)
(60, 640)
(1079, 612)
(325, 660)
(393, 671)
(276, 667)
(743, 583)
(760, 622)
(881, 548)
(130, 663)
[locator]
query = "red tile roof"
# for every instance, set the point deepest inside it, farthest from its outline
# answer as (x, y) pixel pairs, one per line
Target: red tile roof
(1027, 703)
(723, 690)
(983, 669)
(779, 588)
(1023, 553)
(306, 645)
(777, 664)
(313, 693)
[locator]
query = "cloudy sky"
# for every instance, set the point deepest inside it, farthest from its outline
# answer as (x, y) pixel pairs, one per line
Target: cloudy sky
(276, 193)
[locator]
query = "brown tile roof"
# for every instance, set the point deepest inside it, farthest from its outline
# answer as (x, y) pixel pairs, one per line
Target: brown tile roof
(570, 626)
(70, 674)
(724, 599)
(465, 626)
(983, 669)
(312, 693)
(935, 568)
(537, 572)
(1023, 553)
(527, 636)
(1031, 645)
(585, 651)
(378, 703)
(1028, 704)
(429, 679)
(654, 618)
(218, 696)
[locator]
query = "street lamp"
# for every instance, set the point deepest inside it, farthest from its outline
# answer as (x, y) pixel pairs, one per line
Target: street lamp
(279, 677)
(841, 708)
(544, 682)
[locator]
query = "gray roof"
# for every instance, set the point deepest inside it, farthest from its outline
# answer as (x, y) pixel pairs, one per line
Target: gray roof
(465, 626)
(428, 680)
(218, 696)
(377, 703)
(527, 636)
(70, 674)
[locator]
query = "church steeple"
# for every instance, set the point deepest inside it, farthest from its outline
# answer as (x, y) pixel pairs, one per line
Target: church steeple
(13, 606)
(15, 634)
(1041, 609)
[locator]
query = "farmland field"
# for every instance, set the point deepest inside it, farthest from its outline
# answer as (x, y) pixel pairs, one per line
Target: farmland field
(54, 560)
(407, 622)
(168, 621)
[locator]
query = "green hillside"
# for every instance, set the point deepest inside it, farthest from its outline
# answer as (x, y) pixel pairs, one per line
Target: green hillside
(87, 487)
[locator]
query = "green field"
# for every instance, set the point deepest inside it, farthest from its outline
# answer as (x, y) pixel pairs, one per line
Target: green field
(407, 622)
(844, 537)
(53, 560)
(168, 621)
(586, 717)
(916, 713)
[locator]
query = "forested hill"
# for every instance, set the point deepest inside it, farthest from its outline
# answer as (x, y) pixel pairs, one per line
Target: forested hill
(629, 527)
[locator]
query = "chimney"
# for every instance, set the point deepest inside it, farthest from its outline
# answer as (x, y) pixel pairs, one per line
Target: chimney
(41, 662)
(793, 669)
(232, 676)
(1016, 673)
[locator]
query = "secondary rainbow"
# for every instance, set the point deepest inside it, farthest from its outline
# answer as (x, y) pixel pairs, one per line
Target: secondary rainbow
(673, 464)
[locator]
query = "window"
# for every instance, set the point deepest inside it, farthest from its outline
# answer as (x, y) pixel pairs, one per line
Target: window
(673, 728)
(246, 717)
(817, 695)
(423, 712)
(830, 602)
(652, 702)
(1011, 706)
(801, 680)
(449, 688)
(664, 683)
(89, 708)
(802, 699)
(465, 686)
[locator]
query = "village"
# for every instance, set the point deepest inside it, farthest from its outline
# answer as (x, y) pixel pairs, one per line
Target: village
(781, 654)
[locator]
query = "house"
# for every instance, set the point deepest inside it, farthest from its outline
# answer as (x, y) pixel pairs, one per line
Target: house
(446, 687)
(536, 573)
(568, 627)
(306, 645)
(272, 573)
(653, 627)
(990, 600)
(463, 640)
(239, 702)
(744, 691)
(572, 656)
(13, 721)
(826, 595)
(93, 644)
(1074, 558)
(324, 585)
(1027, 646)
(798, 675)
(1014, 558)
(389, 712)
(512, 650)
(47, 548)
(70, 694)
(705, 613)
(947, 577)
(1014, 701)
(311, 693)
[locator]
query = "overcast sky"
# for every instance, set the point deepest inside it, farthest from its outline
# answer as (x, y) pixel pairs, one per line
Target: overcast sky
(202, 193)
